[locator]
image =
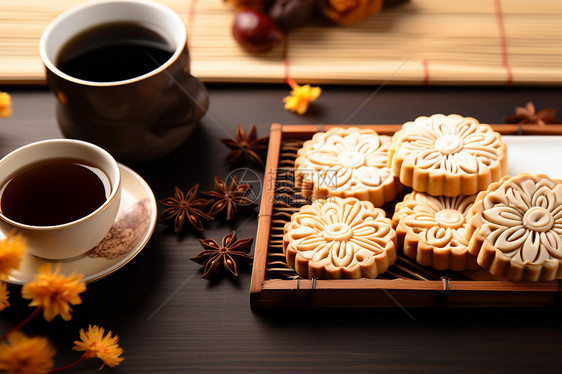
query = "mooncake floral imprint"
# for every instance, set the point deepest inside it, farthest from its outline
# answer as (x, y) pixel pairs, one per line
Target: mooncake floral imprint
(339, 238)
(516, 228)
(448, 155)
(430, 229)
(346, 162)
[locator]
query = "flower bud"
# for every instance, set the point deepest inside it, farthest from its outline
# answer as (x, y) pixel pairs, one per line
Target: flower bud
(345, 12)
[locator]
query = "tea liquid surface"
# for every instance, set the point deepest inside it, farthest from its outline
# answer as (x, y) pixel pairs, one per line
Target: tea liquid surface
(114, 52)
(54, 192)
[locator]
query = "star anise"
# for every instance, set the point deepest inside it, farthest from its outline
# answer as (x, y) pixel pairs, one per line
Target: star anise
(527, 115)
(231, 254)
(229, 198)
(184, 207)
(246, 147)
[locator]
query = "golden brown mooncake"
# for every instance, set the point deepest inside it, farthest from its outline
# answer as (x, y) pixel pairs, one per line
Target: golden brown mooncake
(339, 238)
(346, 162)
(430, 230)
(515, 228)
(447, 155)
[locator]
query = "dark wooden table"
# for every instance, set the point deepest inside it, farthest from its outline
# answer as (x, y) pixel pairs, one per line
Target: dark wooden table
(169, 320)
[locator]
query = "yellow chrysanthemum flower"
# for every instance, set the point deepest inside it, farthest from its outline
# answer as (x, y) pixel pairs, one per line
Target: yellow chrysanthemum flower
(4, 295)
(24, 355)
(5, 105)
(54, 292)
(300, 97)
(94, 344)
(12, 249)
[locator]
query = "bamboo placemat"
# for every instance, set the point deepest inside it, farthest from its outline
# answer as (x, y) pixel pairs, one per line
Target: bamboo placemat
(419, 42)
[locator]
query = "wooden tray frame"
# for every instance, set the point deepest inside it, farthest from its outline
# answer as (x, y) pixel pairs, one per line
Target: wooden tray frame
(276, 293)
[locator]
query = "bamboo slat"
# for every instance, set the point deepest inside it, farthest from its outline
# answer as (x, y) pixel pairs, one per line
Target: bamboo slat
(419, 42)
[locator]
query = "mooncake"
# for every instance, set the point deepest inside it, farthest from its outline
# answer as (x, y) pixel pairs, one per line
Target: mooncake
(339, 238)
(431, 229)
(447, 155)
(346, 162)
(515, 228)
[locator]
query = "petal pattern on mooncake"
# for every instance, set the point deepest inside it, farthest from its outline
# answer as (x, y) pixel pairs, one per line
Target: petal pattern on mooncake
(430, 229)
(447, 155)
(339, 238)
(515, 228)
(346, 162)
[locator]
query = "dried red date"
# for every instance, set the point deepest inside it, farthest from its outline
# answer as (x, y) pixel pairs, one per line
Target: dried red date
(255, 31)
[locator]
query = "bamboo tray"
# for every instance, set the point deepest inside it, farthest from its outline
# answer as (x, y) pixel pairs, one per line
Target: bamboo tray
(405, 284)
(475, 42)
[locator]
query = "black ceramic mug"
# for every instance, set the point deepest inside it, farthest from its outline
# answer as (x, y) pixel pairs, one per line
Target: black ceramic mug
(136, 118)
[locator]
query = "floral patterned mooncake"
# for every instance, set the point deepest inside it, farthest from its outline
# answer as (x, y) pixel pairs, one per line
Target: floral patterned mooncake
(448, 155)
(431, 229)
(346, 162)
(515, 228)
(339, 238)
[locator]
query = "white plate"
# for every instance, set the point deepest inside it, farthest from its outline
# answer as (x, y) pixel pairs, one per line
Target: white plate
(129, 234)
(534, 154)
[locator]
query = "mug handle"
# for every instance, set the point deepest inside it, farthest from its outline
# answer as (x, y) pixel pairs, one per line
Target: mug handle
(200, 98)
(192, 89)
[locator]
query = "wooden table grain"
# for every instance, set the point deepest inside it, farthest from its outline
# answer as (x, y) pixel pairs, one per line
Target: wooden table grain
(169, 320)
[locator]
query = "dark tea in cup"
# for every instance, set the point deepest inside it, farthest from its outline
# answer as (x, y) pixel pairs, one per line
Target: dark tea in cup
(114, 52)
(54, 192)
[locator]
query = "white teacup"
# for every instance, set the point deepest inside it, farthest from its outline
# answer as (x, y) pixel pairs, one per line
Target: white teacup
(70, 239)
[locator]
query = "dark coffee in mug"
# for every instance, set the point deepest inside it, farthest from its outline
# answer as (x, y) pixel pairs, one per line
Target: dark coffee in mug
(54, 192)
(114, 52)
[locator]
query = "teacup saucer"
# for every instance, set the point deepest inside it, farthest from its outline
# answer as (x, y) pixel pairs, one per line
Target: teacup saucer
(130, 232)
